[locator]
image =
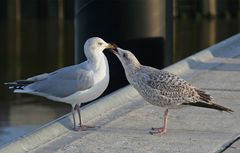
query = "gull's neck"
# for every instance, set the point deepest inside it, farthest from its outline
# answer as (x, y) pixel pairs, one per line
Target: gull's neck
(96, 60)
(132, 69)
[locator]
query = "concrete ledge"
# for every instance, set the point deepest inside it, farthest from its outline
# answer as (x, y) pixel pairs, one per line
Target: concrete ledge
(228, 143)
(62, 125)
(205, 55)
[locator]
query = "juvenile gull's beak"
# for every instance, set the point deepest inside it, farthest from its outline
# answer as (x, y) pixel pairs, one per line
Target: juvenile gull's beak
(111, 47)
(114, 48)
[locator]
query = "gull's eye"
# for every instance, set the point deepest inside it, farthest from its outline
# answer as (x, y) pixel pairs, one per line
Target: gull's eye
(100, 43)
(125, 55)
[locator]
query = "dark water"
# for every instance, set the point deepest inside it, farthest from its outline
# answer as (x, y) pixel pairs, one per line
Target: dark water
(27, 48)
(30, 47)
(192, 35)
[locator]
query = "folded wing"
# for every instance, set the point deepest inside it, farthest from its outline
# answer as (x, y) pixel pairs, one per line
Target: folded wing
(60, 83)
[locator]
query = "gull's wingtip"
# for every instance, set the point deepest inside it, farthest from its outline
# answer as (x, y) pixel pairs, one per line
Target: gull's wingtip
(22, 91)
(10, 85)
(220, 108)
(229, 110)
(18, 91)
(7, 83)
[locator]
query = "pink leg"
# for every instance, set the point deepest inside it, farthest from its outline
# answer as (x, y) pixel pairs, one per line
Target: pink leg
(81, 126)
(74, 120)
(161, 130)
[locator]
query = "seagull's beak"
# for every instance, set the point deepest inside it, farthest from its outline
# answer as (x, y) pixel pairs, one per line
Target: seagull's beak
(109, 46)
(113, 48)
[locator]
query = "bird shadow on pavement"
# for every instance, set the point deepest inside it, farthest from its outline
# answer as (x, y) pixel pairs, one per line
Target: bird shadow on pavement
(66, 121)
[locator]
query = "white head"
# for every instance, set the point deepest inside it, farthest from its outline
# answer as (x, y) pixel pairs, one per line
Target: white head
(127, 58)
(95, 46)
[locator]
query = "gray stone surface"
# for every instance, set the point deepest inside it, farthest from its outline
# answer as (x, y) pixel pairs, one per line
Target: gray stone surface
(124, 118)
(234, 148)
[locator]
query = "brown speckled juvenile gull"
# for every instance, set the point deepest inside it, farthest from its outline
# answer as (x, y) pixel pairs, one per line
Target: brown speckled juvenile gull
(74, 84)
(161, 88)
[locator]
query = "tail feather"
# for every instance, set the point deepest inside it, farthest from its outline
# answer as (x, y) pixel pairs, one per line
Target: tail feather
(206, 100)
(204, 96)
(210, 105)
(20, 84)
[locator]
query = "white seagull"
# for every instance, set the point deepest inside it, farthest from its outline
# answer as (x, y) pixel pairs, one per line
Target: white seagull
(74, 84)
(161, 88)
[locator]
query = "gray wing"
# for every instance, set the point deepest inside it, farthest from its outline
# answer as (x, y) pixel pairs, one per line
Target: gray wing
(65, 81)
(169, 85)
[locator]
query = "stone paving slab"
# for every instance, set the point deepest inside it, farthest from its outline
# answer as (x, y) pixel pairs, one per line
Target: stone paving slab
(234, 148)
(201, 131)
(137, 142)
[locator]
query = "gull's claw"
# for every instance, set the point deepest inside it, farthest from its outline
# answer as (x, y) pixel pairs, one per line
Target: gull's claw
(160, 131)
(84, 128)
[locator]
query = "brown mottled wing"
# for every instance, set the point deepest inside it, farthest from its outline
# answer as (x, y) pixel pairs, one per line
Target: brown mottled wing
(177, 90)
(169, 85)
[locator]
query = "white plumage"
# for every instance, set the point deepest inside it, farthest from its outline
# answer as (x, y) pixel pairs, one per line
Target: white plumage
(73, 84)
